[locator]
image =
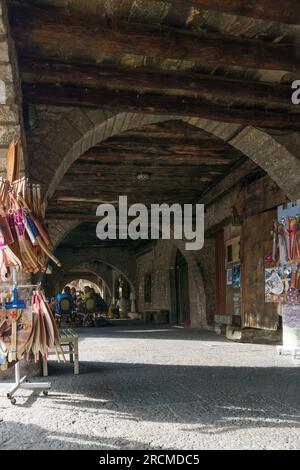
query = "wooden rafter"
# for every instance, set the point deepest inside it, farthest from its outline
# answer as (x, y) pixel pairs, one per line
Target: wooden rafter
(153, 103)
(70, 30)
(117, 77)
(270, 10)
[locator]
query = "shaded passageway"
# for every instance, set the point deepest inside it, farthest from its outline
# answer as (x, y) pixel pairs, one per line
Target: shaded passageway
(161, 388)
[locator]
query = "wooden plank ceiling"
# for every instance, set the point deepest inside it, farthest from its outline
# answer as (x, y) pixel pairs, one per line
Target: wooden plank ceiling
(180, 161)
(84, 236)
(225, 60)
(132, 55)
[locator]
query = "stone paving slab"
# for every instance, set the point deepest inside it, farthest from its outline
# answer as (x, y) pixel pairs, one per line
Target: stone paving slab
(146, 387)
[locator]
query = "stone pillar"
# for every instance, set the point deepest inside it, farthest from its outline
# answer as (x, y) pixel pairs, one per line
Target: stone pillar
(11, 125)
(113, 299)
(132, 300)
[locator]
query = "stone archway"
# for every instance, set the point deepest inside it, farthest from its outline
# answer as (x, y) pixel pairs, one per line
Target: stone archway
(90, 127)
(59, 229)
(88, 274)
(270, 152)
(119, 259)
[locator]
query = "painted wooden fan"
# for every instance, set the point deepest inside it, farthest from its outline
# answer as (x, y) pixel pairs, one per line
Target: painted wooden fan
(15, 342)
(13, 161)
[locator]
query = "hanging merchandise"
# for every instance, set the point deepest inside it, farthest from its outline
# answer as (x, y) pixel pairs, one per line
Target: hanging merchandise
(26, 329)
(24, 242)
(286, 234)
(293, 294)
(46, 334)
(286, 240)
(282, 281)
(29, 332)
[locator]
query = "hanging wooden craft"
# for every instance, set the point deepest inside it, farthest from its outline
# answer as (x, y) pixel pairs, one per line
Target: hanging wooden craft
(30, 332)
(24, 241)
(24, 246)
(286, 240)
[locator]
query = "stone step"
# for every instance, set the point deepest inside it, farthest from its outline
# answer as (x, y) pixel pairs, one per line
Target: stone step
(253, 335)
(127, 322)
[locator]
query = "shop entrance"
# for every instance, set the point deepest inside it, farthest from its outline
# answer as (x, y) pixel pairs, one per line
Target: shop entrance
(182, 290)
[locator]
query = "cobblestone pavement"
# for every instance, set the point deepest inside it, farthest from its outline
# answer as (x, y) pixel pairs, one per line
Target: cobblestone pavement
(160, 388)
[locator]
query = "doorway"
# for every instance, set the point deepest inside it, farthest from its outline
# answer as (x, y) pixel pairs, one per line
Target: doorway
(182, 290)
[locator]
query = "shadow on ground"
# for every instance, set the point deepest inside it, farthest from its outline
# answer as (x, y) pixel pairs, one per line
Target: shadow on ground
(173, 400)
(212, 399)
(36, 437)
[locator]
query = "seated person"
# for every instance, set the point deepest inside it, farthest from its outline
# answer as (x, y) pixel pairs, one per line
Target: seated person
(101, 304)
(52, 304)
(73, 294)
(66, 295)
(87, 293)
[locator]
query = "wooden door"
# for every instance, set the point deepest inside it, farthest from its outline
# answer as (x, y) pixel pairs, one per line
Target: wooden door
(182, 290)
(256, 243)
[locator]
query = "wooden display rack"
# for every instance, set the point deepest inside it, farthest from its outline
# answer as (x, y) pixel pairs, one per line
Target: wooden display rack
(23, 382)
(13, 168)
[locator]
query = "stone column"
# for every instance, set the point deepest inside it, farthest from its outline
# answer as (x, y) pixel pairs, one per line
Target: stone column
(132, 300)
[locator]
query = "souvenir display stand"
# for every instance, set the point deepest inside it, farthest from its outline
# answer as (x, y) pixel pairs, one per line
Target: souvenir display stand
(23, 382)
(27, 329)
(283, 279)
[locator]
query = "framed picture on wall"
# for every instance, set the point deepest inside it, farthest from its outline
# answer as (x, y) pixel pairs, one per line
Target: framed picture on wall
(229, 277)
(232, 251)
(236, 275)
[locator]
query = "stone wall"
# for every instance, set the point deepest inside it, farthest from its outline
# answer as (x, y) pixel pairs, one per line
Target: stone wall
(11, 125)
(157, 262)
(207, 267)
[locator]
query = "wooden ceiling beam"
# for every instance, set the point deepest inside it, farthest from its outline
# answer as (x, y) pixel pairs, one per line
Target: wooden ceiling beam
(117, 77)
(269, 10)
(152, 103)
(161, 160)
(104, 171)
(36, 26)
(232, 179)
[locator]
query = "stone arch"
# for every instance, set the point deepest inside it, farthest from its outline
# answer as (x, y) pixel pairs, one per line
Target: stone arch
(58, 230)
(98, 271)
(117, 258)
(91, 273)
(65, 279)
(266, 149)
(269, 152)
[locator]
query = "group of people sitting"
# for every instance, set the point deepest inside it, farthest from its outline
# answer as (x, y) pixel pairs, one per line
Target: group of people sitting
(72, 301)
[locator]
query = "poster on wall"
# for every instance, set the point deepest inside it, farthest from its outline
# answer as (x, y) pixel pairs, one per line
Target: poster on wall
(286, 234)
(236, 275)
(278, 282)
(229, 277)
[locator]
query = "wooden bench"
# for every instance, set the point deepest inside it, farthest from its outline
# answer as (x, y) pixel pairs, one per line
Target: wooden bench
(156, 315)
(69, 344)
